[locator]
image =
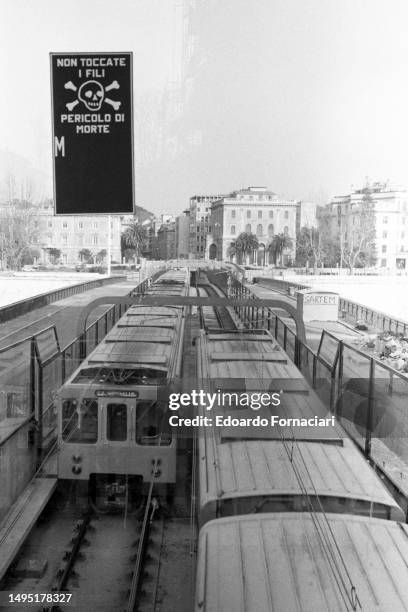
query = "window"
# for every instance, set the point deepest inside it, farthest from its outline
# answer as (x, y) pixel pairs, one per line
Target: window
(383, 263)
(80, 239)
(286, 230)
(232, 229)
(271, 214)
(116, 423)
(49, 223)
(259, 214)
(81, 225)
(233, 214)
(248, 214)
(94, 239)
(64, 239)
(259, 230)
(270, 230)
(248, 228)
(35, 223)
(80, 421)
(152, 424)
(385, 219)
(384, 234)
(384, 248)
(64, 224)
(95, 225)
(286, 214)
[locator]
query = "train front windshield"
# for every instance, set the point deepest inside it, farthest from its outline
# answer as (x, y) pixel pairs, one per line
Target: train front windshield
(152, 424)
(80, 421)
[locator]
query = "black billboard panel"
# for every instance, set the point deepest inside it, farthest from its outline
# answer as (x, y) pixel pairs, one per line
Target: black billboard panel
(92, 133)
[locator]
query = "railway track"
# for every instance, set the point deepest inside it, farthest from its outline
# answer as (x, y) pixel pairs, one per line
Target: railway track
(106, 561)
(102, 560)
(214, 317)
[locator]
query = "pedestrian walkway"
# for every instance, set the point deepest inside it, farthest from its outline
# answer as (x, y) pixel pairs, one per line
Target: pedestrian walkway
(22, 517)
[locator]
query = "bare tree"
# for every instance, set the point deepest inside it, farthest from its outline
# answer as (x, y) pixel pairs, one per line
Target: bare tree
(18, 232)
(310, 247)
(357, 238)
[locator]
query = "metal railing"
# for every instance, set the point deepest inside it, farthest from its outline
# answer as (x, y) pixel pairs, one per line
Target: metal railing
(371, 317)
(38, 366)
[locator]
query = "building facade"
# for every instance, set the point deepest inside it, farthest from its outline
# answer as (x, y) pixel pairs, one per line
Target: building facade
(200, 223)
(255, 210)
(71, 235)
(344, 217)
(183, 235)
(166, 241)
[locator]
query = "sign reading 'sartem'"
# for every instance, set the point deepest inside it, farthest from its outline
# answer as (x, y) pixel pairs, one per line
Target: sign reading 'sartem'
(92, 133)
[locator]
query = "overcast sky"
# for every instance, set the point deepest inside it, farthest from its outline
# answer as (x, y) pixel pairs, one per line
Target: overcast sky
(305, 96)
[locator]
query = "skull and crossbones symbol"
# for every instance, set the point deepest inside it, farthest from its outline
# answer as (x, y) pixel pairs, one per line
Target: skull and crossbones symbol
(92, 94)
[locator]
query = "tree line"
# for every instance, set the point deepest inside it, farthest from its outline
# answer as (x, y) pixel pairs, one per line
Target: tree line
(247, 243)
(20, 235)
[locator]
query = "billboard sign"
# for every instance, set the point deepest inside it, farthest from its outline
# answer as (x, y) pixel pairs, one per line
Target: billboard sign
(92, 115)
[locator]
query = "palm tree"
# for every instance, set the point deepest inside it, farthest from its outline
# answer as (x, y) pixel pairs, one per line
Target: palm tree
(85, 255)
(100, 257)
(279, 243)
(246, 244)
(232, 250)
(134, 237)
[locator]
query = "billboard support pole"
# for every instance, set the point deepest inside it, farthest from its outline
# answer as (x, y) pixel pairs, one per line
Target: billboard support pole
(109, 244)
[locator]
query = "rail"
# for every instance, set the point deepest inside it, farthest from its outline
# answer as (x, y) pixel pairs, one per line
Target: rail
(66, 569)
(141, 550)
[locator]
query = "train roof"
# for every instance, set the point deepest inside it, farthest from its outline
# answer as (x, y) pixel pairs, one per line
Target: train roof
(245, 355)
(259, 563)
(253, 468)
(145, 337)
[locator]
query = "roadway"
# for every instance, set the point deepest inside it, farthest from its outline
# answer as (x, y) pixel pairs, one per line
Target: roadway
(64, 314)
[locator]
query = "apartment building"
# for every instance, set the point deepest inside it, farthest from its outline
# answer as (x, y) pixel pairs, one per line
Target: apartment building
(255, 210)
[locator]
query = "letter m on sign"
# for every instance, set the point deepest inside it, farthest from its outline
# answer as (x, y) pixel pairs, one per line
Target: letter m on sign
(59, 146)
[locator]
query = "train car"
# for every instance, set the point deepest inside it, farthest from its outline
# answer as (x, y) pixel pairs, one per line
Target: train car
(302, 562)
(113, 428)
(246, 469)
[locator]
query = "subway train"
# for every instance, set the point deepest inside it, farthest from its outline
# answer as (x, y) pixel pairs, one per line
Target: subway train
(112, 424)
(287, 513)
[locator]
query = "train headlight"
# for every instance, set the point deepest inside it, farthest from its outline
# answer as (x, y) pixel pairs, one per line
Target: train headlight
(76, 469)
(76, 458)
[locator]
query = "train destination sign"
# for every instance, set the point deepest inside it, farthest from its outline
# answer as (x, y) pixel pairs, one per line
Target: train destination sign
(92, 113)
